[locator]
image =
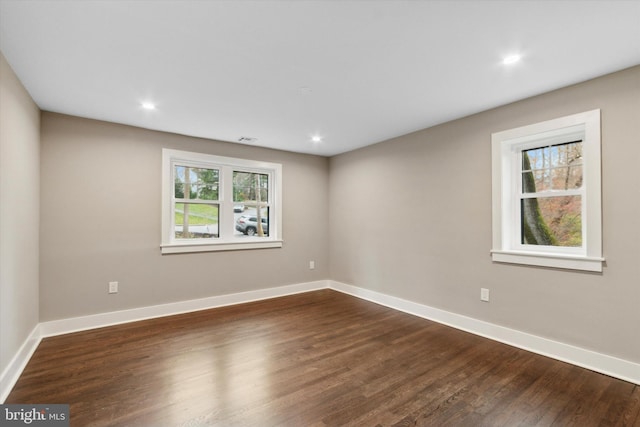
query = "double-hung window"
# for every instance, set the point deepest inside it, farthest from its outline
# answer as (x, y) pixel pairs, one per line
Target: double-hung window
(546, 194)
(212, 203)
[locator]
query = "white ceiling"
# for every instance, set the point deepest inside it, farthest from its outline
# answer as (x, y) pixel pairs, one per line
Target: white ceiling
(353, 72)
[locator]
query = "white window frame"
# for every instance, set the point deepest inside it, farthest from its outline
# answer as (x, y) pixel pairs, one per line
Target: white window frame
(507, 147)
(227, 239)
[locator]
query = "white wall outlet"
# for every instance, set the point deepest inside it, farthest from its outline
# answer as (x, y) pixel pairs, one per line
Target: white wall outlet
(484, 294)
(312, 265)
(113, 287)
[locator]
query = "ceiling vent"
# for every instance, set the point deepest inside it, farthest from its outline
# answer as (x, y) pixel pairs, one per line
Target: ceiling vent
(247, 139)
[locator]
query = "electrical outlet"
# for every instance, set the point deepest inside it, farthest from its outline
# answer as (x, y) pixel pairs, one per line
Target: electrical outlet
(312, 265)
(113, 287)
(484, 294)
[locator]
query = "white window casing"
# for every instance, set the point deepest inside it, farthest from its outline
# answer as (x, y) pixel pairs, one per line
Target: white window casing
(226, 238)
(507, 148)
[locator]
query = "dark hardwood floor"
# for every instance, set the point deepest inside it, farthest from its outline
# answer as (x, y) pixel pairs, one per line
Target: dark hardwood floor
(313, 359)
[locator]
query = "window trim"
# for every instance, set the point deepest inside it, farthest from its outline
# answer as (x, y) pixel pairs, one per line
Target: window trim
(505, 169)
(226, 166)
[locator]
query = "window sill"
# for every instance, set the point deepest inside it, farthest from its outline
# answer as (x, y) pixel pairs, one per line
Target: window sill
(568, 262)
(182, 248)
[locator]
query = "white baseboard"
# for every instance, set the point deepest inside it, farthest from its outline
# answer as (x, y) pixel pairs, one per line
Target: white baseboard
(13, 371)
(76, 324)
(609, 365)
(598, 362)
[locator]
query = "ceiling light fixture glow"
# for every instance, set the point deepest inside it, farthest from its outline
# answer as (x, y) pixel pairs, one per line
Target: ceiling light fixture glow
(148, 106)
(316, 138)
(511, 59)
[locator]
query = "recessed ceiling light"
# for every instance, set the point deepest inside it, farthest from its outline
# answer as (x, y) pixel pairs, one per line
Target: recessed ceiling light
(511, 59)
(148, 105)
(316, 138)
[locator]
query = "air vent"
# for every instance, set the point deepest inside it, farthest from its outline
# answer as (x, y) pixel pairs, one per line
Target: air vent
(247, 139)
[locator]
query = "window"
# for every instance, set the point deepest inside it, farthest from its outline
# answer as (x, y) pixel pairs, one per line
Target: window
(546, 194)
(212, 203)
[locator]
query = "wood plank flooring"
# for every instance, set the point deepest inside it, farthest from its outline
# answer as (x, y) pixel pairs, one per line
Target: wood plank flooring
(315, 359)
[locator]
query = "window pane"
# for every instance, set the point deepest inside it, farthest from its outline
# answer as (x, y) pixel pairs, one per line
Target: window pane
(566, 178)
(196, 221)
(246, 223)
(250, 187)
(534, 181)
(536, 158)
(566, 154)
(196, 183)
(552, 221)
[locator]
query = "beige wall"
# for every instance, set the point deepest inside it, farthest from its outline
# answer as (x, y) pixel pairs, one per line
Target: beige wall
(101, 213)
(19, 213)
(411, 217)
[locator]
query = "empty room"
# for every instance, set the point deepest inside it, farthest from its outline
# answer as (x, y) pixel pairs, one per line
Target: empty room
(319, 213)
